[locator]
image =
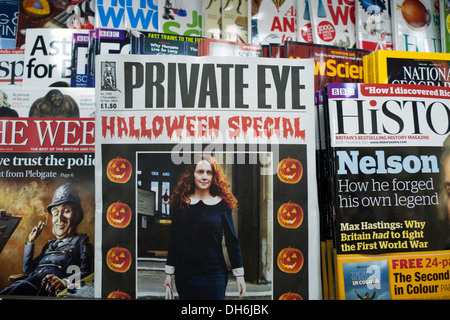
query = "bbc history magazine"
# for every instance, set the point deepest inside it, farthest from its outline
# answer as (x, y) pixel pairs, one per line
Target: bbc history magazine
(389, 162)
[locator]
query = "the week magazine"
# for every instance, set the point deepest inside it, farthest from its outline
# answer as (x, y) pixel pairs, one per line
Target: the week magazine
(388, 148)
(47, 159)
(256, 118)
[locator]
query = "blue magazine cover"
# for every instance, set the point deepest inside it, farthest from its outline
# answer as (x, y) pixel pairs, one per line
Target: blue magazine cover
(366, 280)
(8, 31)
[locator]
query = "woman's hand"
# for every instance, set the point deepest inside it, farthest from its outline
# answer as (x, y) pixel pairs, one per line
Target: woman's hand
(168, 282)
(241, 286)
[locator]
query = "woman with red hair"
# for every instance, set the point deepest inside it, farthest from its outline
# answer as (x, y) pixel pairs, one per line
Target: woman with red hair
(201, 205)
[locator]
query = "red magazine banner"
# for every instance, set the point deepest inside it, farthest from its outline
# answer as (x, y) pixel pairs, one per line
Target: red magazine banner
(47, 135)
(404, 90)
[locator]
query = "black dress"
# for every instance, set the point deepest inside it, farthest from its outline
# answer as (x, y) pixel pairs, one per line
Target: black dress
(196, 252)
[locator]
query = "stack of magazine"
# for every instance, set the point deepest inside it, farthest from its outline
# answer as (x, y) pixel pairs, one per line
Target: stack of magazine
(387, 153)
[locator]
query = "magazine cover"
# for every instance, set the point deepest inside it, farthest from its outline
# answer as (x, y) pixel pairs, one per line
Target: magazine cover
(333, 23)
(80, 58)
(212, 19)
(419, 68)
(71, 18)
(20, 101)
(39, 17)
(8, 31)
(276, 50)
(388, 164)
(11, 67)
(416, 25)
(444, 10)
(113, 14)
(215, 47)
(331, 63)
(368, 67)
(304, 29)
(88, 10)
(235, 21)
(112, 41)
(325, 208)
(146, 42)
(47, 193)
(48, 57)
(373, 25)
(180, 17)
(34, 14)
(106, 41)
(257, 137)
(366, 280)
(273, 21)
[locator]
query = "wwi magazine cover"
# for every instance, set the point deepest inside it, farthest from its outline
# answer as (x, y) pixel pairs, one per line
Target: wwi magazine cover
(140, 15)
(389, 156)
(165, 127)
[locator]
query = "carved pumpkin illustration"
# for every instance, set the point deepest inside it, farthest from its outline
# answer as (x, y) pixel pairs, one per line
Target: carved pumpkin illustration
(290, 296)
(118, 214)
(290, 215)
(290, 260)
(290, 170)
(118, 259)
(119, 170)
(119, 295)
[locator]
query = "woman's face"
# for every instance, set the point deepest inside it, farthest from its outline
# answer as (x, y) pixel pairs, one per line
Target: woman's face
(203, 175)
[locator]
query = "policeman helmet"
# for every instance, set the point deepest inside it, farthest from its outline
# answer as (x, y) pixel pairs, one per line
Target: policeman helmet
(66, 194)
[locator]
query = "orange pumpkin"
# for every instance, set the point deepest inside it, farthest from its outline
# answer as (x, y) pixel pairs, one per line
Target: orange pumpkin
(118, 259)
(118, 214)
(119, 170)
(290, 170)
(119, 295)
(290, 215)
(290, 260)
(290, 296)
